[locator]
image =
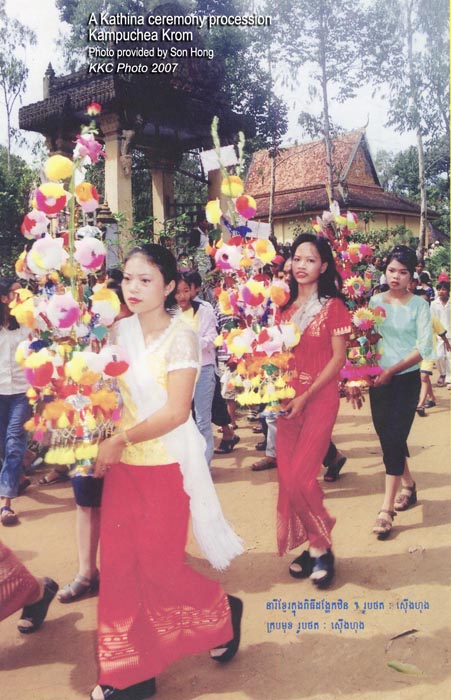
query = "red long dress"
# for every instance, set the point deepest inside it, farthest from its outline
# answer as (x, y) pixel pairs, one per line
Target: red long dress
(303, 442)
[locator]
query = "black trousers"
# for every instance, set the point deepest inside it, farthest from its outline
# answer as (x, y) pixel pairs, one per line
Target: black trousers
(393, 409)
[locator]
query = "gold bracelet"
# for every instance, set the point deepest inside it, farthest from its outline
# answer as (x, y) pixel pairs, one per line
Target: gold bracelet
(128, 442)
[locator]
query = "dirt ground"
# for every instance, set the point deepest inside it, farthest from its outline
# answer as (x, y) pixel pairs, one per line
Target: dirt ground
(381, 589)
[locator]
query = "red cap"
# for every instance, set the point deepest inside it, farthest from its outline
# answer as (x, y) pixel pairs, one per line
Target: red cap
(443, 277)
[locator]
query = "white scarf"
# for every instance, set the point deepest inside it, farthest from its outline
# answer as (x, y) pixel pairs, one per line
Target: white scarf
(303, 316)
(216, 538)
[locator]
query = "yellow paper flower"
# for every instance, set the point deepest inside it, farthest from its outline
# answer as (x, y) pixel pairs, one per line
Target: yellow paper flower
(232, 186)
(58, 167)
(213, 211)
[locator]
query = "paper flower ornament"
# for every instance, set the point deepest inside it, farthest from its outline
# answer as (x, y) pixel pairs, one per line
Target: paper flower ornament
(93, 109)
(34, 225)
(90, 253)
(213, 211)
(51, 198)
(228, 257)
(63, 311)
(38, 368)
(264, 250)
(279, 292)
(105, 306)
(22, 308)
(46, 254)
(246, 206)
(254, 292)
(354, 286)
(87, 197)
(88, 147)
(116, 360)
(232, 186)
(58, 167)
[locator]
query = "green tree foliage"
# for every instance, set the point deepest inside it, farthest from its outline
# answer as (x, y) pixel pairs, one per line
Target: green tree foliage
(399, 174)
(320, 42)
(16, 184)
(15, 37)
(408, 51)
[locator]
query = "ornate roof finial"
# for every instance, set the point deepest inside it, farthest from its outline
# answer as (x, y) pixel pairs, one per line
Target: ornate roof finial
(47, 82)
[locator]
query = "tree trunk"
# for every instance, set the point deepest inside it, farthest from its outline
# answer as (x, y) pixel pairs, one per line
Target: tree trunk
(422, 241)
(326, 117)
(272, 187)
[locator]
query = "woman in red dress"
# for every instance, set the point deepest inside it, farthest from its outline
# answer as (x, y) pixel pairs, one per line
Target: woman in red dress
(304, 432)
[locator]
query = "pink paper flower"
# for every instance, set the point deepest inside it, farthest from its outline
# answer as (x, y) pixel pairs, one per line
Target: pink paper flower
(63, 311)
(87, 146)
(90, 253)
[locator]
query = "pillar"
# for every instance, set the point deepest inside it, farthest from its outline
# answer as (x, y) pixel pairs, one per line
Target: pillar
(118, 183)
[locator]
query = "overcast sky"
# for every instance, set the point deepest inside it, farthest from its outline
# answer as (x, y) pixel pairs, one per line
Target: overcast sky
(42, 17)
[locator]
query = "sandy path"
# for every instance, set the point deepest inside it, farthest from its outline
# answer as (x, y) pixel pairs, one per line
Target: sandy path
(285, 655)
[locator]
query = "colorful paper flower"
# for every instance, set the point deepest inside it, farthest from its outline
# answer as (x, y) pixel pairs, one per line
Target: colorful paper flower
(46, 254)
(105, 305)
(213, 211)
(63, 311)
(34, 225)
(87, 197)
(264, 250)
(87, 147)
(90, 253)
(51, 198)
(354, 286)
(232, 186)
(116, 360)
(228, 257)
(246, 206)
(58, 167)
(93, 109)
(38, 368)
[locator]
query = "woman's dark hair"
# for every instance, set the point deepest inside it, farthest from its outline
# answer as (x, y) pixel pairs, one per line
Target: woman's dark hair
(5, 287)
(424, 278)
(164, 260)
(405, 256)
(114, 273)
(116, 287)
(329, 282)
(194, 277)
(443, 284)
(185, 277)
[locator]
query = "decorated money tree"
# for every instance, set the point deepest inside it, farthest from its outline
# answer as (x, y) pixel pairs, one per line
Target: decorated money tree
(352, 261)
(66, 359)
(255, 338)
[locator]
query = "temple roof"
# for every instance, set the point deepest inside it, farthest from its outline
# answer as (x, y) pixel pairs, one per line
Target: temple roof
(177, 108)
(301, 177)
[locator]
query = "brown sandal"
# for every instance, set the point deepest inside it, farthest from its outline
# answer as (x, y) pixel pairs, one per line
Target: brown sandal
(382, 526)
(263, 464)
(405, 500)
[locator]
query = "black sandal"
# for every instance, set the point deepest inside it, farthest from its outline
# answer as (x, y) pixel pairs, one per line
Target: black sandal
(305, 561)
(323, 563)
(231, 648)
(36, 612)
(226, 446)
(139, 691)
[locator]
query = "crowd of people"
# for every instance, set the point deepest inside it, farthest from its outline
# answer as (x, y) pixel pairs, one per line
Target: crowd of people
(158, 460)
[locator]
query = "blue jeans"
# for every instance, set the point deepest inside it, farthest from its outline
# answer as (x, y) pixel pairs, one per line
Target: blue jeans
(14, 411)
(203, 401)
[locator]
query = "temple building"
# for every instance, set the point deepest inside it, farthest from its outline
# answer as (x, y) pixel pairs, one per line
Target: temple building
(300, 187)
